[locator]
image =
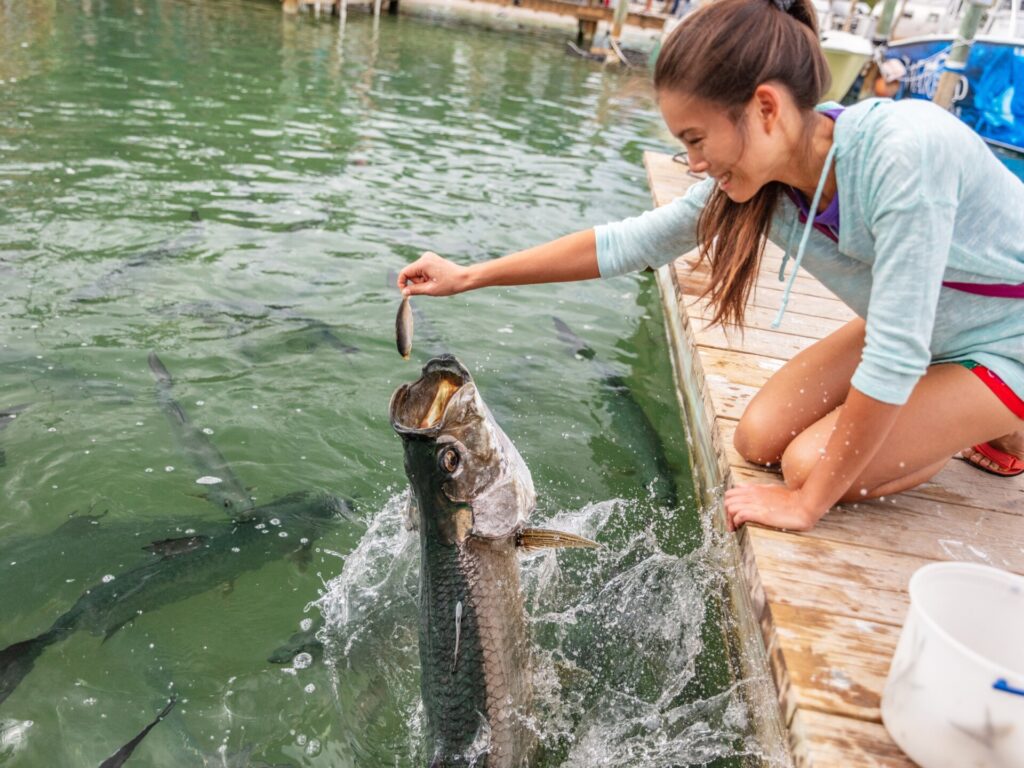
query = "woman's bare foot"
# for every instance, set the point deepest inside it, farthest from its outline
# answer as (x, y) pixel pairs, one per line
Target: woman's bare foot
(1012, 463)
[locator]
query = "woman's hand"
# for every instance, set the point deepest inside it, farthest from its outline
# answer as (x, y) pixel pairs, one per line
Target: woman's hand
(433, 276)
(772, 505)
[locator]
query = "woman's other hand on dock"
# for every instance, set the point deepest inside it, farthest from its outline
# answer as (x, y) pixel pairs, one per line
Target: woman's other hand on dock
(432, 275)
(771, 505)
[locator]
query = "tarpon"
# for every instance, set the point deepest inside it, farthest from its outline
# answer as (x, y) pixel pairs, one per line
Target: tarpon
(228, 491)
(471, 495)
(214, 554)
(119, 282)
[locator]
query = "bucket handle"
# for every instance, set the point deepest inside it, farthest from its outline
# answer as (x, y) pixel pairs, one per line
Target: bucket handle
(1002, 685)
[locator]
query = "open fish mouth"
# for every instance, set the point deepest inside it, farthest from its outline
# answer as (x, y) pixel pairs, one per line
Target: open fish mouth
(420, 407)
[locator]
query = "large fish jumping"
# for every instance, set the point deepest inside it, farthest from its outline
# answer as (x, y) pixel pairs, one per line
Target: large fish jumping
(470, 499)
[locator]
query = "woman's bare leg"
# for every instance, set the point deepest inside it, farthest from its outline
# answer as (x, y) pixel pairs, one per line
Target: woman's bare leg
(950, 407)
(810, 385)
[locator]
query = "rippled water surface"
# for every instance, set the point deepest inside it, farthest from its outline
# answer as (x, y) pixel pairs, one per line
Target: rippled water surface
(231, 188)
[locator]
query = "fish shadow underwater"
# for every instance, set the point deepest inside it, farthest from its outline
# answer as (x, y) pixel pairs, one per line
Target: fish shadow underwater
(210, 555)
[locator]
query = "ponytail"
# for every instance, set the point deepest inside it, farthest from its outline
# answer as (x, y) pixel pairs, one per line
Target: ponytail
(720, 54)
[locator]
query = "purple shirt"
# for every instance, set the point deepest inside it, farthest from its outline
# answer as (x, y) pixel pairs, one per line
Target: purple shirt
(826, 222)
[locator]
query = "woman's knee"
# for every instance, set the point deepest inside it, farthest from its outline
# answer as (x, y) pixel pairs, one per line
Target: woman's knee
(799, 460)
(757, 438)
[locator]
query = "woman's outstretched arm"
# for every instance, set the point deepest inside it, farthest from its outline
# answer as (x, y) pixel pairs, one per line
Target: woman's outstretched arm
(573, 257)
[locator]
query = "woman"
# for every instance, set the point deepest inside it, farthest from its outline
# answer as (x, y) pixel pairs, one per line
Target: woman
(930, 256)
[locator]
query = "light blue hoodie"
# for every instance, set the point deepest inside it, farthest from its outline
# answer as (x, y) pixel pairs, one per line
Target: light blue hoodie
(922, 199)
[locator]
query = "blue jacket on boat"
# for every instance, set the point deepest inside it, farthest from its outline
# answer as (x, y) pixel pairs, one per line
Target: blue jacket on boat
(922, 200)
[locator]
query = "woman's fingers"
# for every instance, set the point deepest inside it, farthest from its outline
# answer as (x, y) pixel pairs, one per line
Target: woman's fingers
(430, 275)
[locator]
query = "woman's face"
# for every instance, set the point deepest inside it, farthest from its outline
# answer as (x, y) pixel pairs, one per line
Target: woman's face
(741, 156)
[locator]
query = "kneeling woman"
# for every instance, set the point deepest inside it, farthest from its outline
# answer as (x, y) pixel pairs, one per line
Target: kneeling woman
(915, 225)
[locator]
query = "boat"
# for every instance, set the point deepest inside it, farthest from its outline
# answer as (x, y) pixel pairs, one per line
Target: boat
(990, 94)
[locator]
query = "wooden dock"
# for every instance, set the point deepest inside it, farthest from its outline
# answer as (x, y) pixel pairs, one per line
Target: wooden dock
(829, 603)
(587, 12)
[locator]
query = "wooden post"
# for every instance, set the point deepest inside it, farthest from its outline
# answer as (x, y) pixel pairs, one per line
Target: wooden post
(884, 29)
(957, 61)
(621, 11)
(880, 39)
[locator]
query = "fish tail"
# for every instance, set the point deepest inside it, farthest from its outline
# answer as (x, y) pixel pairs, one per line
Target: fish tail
(17, 660)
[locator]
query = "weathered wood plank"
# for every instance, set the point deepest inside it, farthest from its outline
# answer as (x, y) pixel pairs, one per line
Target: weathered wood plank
(840, 579)
(795, 324)
(822, 740)
(835, 664)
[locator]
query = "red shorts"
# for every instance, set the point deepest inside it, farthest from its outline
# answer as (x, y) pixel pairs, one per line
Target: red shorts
(998, 387)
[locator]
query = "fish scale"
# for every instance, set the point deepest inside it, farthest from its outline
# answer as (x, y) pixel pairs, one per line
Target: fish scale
(484, 687)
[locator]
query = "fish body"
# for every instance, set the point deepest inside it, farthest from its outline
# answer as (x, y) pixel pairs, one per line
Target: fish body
(229, 493)
(219, 554)
(471, 496)
(403, 328)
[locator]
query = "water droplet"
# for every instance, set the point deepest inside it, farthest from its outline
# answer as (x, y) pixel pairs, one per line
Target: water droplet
(209, 480)
(149, 469)
(108, 578)
(306, 624)
(283, 534)
(168, 468)
(310, 688)
(302, 660)
(200, 402)
(207, 431)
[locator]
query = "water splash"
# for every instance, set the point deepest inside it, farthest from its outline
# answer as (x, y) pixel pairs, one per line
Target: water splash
(617, 635)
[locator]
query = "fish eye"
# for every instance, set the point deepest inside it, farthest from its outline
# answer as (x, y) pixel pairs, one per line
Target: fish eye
(449, 460)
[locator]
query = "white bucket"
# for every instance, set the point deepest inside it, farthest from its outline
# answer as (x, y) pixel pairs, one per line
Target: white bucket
(955, 693)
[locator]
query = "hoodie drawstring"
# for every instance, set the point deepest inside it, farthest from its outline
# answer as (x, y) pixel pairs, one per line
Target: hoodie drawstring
(811, 213)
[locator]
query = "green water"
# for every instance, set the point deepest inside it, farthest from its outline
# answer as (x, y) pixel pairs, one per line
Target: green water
(230, 188)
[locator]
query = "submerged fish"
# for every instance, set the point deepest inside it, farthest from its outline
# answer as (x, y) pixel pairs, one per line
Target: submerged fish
(470, 499)
(403, 328)
(228, 492)
(216, 554)
(118, 759)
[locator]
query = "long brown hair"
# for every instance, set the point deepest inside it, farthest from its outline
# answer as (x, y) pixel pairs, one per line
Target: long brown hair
(721, 54)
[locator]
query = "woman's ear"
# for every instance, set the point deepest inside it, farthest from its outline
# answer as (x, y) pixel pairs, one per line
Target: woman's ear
(767, 104)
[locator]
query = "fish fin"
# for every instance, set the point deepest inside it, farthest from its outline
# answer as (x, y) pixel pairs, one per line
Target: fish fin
(542, 538)
(115, 629)
(159, 370)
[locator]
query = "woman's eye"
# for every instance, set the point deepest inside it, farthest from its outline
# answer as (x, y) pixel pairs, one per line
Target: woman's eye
(449, 460)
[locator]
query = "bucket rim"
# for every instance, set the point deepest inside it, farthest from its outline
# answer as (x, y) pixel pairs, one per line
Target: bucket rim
(1008, 577)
